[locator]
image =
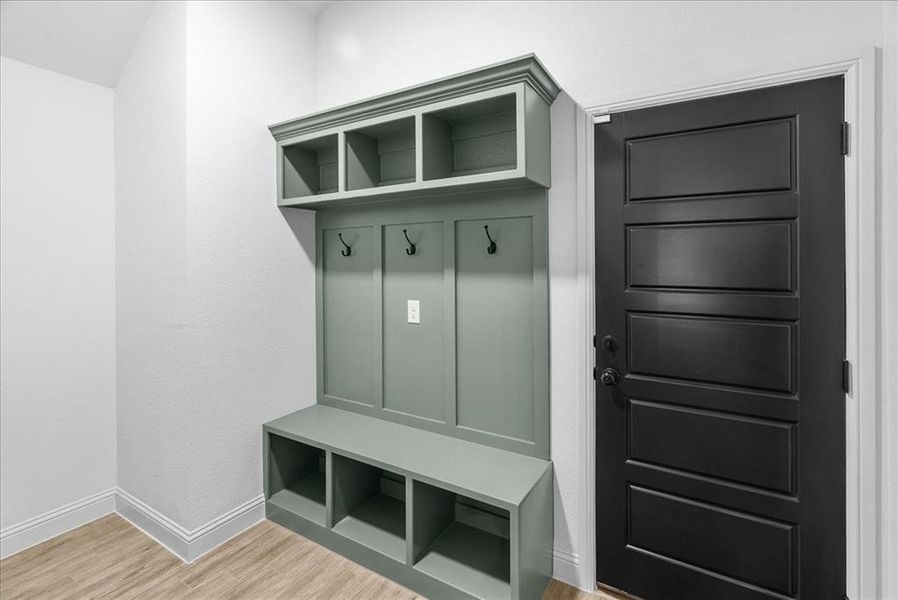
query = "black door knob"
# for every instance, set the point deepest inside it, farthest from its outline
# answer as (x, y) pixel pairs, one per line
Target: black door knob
(609, 377)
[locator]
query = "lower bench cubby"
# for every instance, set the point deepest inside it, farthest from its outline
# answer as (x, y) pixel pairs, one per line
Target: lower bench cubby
(369, 506)
(461, 541)
(296, 476)
(442, 516)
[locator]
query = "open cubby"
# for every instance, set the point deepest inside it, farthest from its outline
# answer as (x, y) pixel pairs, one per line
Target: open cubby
(369, 506)
(459, 540)
(451, 537)
(297, 478)
(310, 167)
(478, 137)
(477, 131)
(381, 155)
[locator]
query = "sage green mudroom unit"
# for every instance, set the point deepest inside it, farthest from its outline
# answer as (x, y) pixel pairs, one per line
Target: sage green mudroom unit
(426, 456)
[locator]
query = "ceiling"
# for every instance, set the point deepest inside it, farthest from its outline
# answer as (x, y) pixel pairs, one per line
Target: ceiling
(313, 8)
(90, 40)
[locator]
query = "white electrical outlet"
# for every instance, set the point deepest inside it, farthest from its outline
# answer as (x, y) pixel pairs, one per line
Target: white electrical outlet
(414, 312)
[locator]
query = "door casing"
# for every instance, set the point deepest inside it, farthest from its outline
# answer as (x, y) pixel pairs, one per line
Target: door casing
(861, 287)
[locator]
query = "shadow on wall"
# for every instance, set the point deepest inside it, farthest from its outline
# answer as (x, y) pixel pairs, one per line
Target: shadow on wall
(302, 222)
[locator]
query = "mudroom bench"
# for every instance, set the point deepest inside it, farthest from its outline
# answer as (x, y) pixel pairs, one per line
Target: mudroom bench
(426, 457)
(444, 516)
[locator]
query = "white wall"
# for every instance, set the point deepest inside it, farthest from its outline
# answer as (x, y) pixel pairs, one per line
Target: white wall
(251, 319)
(593, 49)
(600, 50)
(215, 284)
(57, 292)
(889, 313)
(155, 437)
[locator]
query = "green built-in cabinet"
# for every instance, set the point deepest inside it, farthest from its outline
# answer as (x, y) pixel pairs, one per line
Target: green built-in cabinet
(426, 456)
(477, 365)
(483, 129)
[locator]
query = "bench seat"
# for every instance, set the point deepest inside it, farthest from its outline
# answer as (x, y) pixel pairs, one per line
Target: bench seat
(446, 517)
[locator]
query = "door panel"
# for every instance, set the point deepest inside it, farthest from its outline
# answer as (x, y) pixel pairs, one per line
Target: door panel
(729, 160)
(757, 452)
(720, 449)
(712, 256)
(737, 352)
(674, 528)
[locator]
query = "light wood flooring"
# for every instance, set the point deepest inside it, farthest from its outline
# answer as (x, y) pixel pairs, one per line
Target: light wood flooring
(110, 558)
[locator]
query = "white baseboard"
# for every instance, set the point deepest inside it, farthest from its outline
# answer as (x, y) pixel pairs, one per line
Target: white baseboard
(566, 568)
(189, 545)
(41, 528)
(153, 523)
(185, 544)
(218, 531)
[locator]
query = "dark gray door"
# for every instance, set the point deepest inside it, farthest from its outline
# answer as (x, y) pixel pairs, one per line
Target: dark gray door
(720, 281)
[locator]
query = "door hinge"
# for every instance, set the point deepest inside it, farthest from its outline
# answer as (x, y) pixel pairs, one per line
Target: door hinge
(846, 376)
(845, 137)
(595, 341)
(595, 373)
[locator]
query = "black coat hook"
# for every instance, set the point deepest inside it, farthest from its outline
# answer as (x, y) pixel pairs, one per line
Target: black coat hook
(491, 249)
(412, 248)
(348, 249)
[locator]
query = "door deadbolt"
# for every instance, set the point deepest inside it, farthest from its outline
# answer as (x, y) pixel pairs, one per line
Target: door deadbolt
(609, 377)
(609, 343)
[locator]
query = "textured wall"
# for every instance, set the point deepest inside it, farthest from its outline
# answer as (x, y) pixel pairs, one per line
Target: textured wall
(251, 316)
(155, 436)
(889, 269)
(57, 291)
(216, 285)
(566, 334)
(596, 50)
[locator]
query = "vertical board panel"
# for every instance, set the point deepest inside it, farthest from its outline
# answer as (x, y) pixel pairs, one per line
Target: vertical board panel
(414, 359)
(372, 361)
(348, 316)
(494, 327)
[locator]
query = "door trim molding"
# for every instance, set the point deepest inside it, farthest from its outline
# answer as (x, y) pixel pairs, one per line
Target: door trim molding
(862, 422)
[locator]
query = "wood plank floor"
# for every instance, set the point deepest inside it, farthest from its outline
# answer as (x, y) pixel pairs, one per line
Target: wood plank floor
(110, 558)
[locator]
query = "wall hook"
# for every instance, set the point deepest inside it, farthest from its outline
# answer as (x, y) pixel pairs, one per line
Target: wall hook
(348, 249)
(412, 248)
(491, 249)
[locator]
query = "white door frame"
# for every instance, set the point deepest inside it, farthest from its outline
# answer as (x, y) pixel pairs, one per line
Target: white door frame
(861, 303)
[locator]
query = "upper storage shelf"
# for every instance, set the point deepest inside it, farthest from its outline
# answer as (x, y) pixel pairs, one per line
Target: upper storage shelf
(482, 129)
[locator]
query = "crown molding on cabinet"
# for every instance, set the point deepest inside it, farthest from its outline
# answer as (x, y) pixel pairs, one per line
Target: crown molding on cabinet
(526, 68)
